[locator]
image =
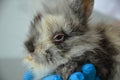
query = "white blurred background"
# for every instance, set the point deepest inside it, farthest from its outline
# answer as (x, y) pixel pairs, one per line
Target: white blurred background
(15, 16)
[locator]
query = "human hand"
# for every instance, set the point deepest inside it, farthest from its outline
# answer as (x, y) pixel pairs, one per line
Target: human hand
(88, 73)
(28, 75)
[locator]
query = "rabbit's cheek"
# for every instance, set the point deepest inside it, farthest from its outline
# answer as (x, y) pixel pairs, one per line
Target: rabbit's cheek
(38, 48)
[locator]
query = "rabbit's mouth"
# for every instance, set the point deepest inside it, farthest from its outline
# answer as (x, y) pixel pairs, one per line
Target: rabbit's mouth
(49, 57)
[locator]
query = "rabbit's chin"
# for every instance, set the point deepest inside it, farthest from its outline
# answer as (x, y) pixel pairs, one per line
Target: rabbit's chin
(44, 70)
(41, 70)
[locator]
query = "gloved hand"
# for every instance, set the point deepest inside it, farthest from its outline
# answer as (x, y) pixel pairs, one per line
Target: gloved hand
(88, 73)
(28, 75)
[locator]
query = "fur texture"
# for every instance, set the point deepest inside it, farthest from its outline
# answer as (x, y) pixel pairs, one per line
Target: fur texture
(82, 43)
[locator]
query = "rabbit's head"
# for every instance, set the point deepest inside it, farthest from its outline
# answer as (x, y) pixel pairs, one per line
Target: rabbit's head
(61, 32)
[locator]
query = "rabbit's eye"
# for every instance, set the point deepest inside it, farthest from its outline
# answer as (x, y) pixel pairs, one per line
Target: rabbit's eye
(58, 37)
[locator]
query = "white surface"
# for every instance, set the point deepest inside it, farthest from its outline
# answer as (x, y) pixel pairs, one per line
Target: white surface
(14, 21)
(108, 7)
(11, 69)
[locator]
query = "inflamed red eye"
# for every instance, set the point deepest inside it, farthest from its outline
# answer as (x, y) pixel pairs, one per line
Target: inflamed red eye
(58, 37)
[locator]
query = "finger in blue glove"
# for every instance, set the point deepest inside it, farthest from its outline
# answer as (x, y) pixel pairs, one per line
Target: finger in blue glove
(77, 76)
(28, 75)
(52, 77)
(89, 71)
(97, 78)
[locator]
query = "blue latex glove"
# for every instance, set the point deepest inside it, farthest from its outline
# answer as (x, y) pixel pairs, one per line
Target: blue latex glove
(88, 73)
(28, 75)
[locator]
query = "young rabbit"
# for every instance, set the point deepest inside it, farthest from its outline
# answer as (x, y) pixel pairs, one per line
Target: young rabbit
(61, 41)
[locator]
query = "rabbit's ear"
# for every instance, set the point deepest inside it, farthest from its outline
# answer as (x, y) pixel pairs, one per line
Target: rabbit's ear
(37, 18)
(82, 8)
(33, 28)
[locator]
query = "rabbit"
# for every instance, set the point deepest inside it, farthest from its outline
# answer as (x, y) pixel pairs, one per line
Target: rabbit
(61, 40)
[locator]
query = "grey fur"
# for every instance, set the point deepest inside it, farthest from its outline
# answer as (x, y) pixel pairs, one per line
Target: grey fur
(82, 42)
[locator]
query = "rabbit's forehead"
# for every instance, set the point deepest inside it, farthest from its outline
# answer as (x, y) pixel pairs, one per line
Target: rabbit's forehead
(52, 24)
